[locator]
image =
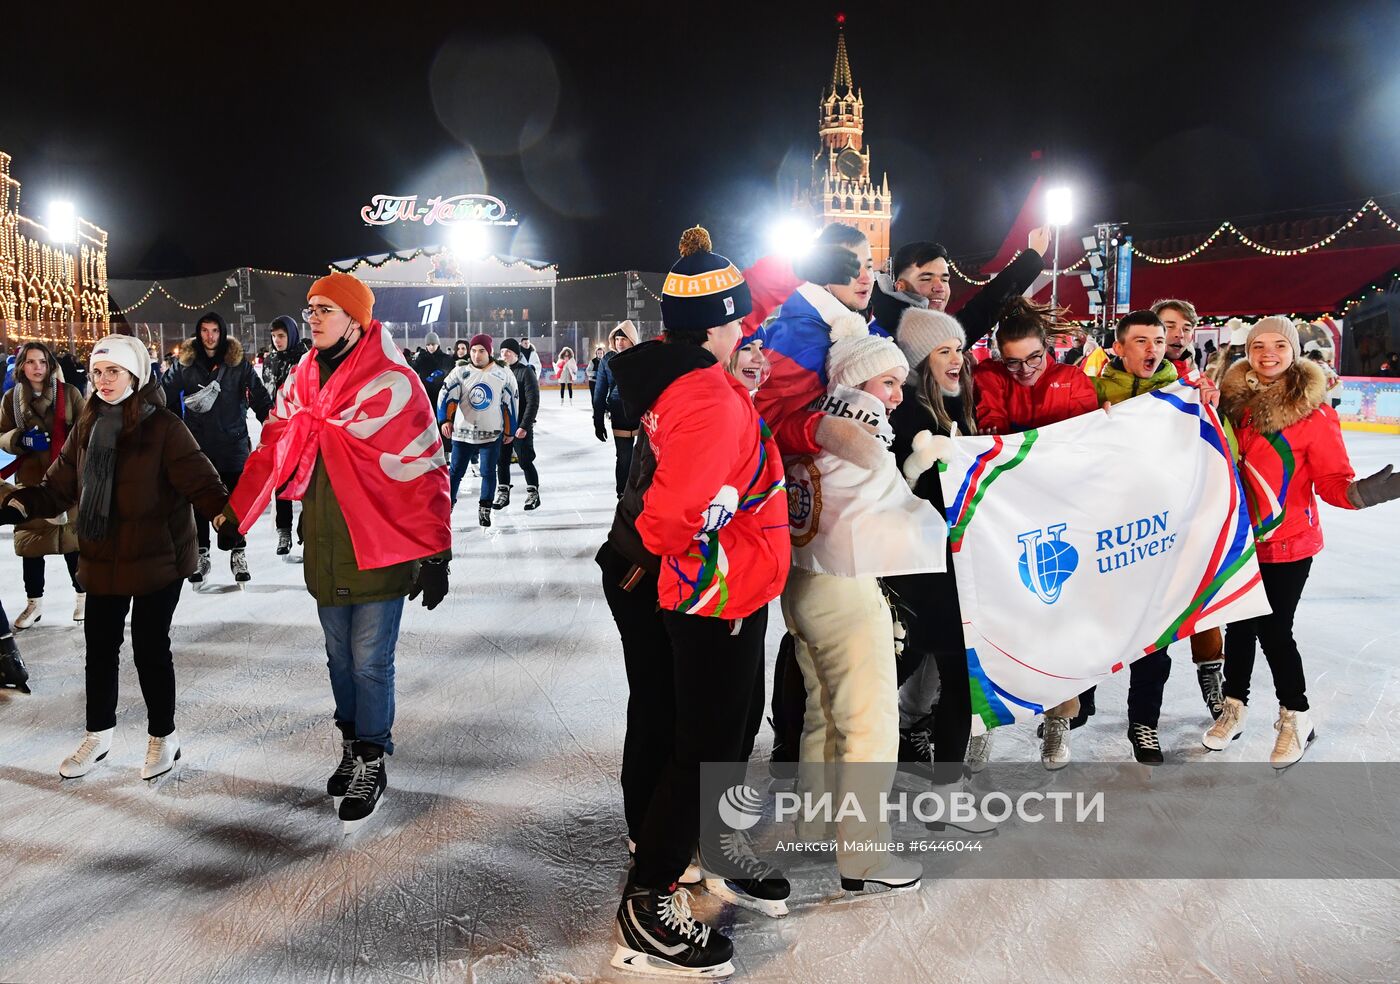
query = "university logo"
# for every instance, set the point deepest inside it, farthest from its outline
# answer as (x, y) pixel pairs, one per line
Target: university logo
(479, 396)
(1046, 562)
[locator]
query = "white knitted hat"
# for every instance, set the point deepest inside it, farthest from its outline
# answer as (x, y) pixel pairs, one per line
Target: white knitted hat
(922, 330)
(124, 351)
(853, 360)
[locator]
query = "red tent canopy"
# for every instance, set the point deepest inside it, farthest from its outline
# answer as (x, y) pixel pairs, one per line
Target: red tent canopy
(1314, 283)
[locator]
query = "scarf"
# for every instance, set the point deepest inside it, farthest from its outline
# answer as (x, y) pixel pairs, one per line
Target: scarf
(372, 427)
(99, 470)
(30, 411)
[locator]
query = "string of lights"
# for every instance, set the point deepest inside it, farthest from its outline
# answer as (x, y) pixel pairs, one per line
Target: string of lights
(1227, 227)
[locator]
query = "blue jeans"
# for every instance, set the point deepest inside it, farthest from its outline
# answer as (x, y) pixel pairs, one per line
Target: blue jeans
(360, 641)
(486, 456)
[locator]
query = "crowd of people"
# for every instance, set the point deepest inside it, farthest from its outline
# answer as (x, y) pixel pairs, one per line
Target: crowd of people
(824, 373)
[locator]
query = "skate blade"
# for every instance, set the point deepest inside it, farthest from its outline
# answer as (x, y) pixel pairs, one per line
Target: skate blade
(158, 775)
(1282, 767)
(872, 891)
(720, 889)
(349, 827)
(644, 965)
(938, 827)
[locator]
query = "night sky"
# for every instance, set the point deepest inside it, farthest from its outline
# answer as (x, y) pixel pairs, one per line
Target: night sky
(253, 137)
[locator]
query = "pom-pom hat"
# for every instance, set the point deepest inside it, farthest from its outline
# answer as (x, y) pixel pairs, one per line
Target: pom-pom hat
(856, 356)
(703, 290)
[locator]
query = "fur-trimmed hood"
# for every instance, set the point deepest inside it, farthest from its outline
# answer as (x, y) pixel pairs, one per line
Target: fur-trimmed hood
(1300, 391)
(233, 351)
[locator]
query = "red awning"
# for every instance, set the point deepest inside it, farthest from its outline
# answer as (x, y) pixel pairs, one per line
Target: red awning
(1314, 283)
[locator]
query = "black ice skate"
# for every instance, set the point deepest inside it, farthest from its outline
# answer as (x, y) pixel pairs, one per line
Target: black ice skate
(284, 542)
(1147, 747)
(201, 569)
(734, 873)
(13, 672)
(532, 497)
(483, 513)
(657, 935)
(238, 563)
(915, 752)
(1211, 677)
(339, 781)
(367, 783)
(502, 497)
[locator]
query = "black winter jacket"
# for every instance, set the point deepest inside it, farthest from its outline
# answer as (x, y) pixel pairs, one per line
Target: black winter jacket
(221, 431)
(528, 388)
(279, 365)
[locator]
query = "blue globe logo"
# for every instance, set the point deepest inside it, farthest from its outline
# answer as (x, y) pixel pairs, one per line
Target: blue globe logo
(1046, 562)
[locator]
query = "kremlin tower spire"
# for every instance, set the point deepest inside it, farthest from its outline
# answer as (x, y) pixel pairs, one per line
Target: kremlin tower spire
(842, 189)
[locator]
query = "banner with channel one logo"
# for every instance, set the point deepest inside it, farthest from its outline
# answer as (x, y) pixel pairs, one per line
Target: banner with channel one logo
(1081, 546)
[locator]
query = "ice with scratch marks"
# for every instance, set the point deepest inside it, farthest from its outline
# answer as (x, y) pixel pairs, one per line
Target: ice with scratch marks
(498, 853)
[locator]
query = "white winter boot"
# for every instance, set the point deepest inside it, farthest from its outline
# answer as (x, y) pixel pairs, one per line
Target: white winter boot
(1228, 726)
(33, 612)
(1295, 734)
(79, 606)
(94, 748)
(161, 755)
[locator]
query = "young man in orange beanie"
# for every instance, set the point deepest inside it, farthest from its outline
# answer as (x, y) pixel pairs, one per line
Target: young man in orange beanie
(355, 427)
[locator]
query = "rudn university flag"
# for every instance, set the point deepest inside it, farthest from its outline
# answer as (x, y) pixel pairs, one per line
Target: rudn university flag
(1083, 545)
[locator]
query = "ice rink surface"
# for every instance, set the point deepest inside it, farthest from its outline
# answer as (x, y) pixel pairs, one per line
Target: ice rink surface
(497, 854)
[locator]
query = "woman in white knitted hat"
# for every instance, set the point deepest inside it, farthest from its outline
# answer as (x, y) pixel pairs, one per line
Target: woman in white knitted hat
(938, 402)
(850, 526)
(131, 469)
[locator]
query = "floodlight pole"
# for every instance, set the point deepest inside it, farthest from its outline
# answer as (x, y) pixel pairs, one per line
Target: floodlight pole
(1055, 276)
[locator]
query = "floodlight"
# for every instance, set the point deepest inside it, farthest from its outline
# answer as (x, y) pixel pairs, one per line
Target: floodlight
(470, 240)
(1058, 206)
(63, 222)
(791, 237)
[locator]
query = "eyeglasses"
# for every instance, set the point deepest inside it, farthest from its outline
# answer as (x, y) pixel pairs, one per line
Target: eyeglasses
(1030, 362)
(318, 311)
(109, 375)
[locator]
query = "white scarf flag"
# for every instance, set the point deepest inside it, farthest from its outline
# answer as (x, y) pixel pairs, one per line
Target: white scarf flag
(853, 522)
(1081, 546)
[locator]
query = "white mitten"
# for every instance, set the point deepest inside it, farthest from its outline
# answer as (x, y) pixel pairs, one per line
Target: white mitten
(720, 510)
(928, 448)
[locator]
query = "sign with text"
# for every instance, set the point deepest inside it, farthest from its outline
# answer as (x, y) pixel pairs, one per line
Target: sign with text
(455, 210)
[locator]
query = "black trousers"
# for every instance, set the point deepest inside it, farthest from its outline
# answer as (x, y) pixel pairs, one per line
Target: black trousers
(695, 694)
(624, 447)
(566, 386)
(201, 525)
(1283, 585)
(284, 514)
(524, 448)
(33, 568)
(1147, 682)
(928, 606)
(150, 649)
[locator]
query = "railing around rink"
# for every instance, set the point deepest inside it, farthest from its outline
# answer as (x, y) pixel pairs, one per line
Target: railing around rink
(164, 338)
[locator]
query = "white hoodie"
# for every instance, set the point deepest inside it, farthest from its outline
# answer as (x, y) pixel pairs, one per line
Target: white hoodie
(853, 522)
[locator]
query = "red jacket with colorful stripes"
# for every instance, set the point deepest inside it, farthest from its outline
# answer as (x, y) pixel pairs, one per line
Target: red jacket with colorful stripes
(1290, 447)
(716, 512)
(1004, 406)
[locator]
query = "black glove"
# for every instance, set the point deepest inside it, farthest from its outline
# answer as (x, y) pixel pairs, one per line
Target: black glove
(10, 516)
(598, 429)
(431, 583)
(827, 264)
(1369, 491)
(229, 537)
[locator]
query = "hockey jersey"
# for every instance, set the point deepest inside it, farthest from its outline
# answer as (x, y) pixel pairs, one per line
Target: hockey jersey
(479, 403)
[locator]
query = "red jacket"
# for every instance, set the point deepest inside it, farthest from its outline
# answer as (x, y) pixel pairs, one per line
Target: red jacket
(1289, 448)
(1004, 406)
(716, 511)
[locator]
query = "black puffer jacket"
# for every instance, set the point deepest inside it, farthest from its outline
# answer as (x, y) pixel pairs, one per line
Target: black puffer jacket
(222, 430)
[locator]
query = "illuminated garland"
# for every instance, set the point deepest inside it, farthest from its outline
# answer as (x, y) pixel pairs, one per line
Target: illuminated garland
(158, 286)
(1220, 230)
(426, 251)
